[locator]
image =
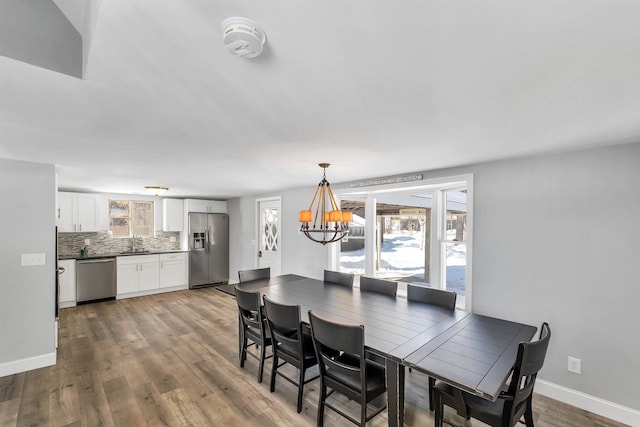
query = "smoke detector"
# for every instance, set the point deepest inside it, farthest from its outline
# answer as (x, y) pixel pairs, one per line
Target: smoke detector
(243, 37)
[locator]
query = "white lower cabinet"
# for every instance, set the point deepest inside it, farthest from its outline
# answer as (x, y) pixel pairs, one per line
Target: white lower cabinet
(173, 270)
(67, 283)
(149, 274)
(138, 273)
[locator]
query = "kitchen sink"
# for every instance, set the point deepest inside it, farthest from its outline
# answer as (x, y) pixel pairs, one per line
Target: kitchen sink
(136, 253)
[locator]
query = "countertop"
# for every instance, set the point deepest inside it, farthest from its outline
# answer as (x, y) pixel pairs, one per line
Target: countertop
(116, 254)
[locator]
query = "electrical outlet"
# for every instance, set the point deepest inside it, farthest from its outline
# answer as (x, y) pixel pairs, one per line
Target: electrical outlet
(574, 365)
(87, 242)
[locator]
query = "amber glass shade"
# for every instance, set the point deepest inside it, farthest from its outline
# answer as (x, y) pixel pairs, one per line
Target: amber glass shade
(305, 216)
(347, 216)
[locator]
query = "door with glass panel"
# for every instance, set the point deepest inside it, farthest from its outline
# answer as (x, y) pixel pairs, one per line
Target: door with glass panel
(269, 235)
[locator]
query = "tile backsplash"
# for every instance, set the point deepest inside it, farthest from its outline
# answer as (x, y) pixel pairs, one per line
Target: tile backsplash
(70, 244)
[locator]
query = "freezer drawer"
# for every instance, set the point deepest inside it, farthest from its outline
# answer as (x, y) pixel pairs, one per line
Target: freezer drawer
(95, 279)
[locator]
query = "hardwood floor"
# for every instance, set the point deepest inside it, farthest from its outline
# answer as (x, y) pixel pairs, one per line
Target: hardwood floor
(171, 359)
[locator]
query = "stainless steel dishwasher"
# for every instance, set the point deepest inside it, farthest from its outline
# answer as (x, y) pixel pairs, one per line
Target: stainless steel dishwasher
(95, 279)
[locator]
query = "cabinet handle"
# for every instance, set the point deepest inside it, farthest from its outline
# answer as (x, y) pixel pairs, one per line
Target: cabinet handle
(161, 264)
(80, 227)
(136, 267)
(74, 227)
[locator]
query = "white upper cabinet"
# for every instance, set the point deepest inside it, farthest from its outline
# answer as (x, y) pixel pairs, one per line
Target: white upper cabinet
(172, 215)
(208, 206)
(78, 212)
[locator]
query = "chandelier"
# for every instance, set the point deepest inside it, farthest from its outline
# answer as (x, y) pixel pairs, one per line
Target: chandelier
(324, 222)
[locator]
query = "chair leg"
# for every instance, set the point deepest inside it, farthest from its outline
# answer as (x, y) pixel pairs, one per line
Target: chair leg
(261, 366)
(323, 396)
(274, 368)
(432, 383)
(437, 400)
(363, 410)
(528, 413)
(300, 389)
(243, 351)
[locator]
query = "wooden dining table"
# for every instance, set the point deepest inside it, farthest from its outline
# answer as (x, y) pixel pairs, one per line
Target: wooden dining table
(469, 351)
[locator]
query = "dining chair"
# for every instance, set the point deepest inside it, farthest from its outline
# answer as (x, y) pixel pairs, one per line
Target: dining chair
(428, 295)
(513, 403)
(344, 368)
(344, 279)
(291, 343)
(253, 327)
(254, 274)
(433, 296)
(380, 286)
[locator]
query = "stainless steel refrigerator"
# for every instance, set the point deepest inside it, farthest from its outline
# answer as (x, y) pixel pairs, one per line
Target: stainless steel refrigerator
(208, 249)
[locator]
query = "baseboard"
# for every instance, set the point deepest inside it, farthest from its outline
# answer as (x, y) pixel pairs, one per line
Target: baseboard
(614, 411)
(27, 364)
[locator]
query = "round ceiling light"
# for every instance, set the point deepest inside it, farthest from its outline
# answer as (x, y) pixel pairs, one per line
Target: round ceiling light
(243, 37)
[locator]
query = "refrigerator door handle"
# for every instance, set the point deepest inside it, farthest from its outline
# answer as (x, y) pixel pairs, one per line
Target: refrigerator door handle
(206, 238)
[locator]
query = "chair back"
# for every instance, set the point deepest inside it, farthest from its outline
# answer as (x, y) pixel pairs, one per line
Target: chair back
(340, 352)
(250, 310)
(529, 361)
(380, 286)
(344, 279)
(433, 296)
(286, 328)
(255, 274)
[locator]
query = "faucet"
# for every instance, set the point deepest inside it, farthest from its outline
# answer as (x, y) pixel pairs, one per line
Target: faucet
(133, 243)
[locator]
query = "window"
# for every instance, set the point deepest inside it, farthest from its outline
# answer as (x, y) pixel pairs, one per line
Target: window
(131, 218)
(410, 234)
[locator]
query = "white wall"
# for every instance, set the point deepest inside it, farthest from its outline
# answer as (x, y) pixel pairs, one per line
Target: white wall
(555, 239)
(27, 294)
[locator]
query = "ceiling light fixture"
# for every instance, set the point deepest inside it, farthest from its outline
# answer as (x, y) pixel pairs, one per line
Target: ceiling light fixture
(243, 37)
(155, 190)
(330, 224)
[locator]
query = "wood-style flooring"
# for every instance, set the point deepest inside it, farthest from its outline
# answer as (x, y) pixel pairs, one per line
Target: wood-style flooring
(172, 359)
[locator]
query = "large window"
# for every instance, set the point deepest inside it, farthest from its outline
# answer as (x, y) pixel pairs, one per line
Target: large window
(131, 218)
(411, 234)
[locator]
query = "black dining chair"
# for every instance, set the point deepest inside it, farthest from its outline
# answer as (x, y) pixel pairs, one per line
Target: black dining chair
(344, 279)
(433, 296)
(428, 295)
(379, 286)
(254, 274)
(344, 367)
(291, 343)
(512, 404)
(253, 328)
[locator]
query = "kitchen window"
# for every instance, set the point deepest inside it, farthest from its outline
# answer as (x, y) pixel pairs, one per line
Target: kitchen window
(131, 218)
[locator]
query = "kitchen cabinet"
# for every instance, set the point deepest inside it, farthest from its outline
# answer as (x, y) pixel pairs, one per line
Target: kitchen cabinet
(138, 273)
(78, 212)
(173, 270)
(172, 215)
(67, 283)
(208, 206)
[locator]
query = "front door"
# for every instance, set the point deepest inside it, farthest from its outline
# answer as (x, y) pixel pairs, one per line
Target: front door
(269, 235)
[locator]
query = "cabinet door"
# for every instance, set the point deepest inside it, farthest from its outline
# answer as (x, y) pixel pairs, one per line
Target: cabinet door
(67, 281)
(172, 215)
(149, 275)
(127, 278)
(66, 212)
(88, 208)
(172, 273)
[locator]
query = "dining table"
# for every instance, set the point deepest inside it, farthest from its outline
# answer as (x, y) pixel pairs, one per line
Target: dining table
(469, 351)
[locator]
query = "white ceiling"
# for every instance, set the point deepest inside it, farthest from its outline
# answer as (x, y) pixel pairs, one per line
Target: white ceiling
(374, 87)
